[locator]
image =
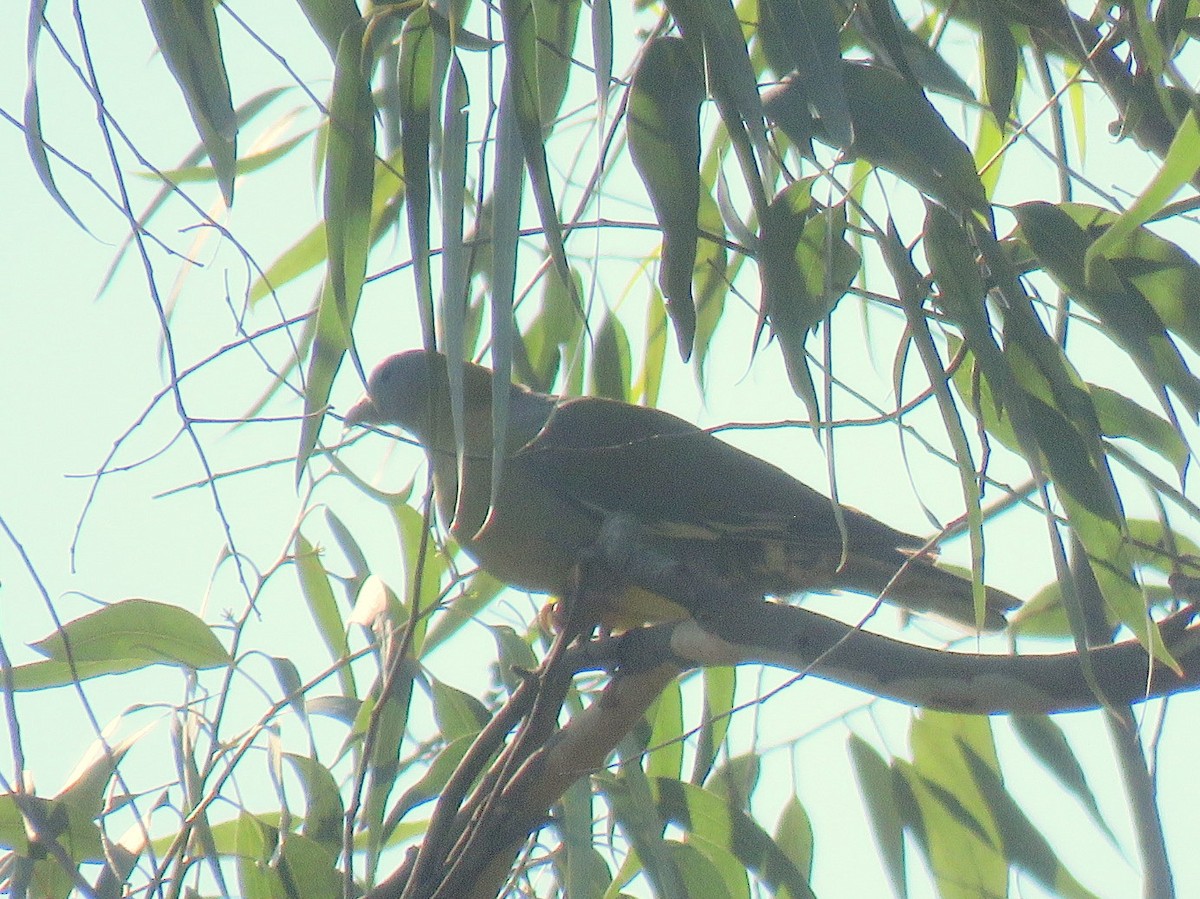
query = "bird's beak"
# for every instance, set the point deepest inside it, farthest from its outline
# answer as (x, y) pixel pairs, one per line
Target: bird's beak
(364, 412)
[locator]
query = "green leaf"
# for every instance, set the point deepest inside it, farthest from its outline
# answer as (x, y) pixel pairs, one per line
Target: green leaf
(514, 653)
(311, 249)
(318, 593)
(419, 88)
(602, 53)
(962, 296)
(557, 25)
(1000, 60)
(349, 174)
(458, 714)
(713, 30)
(1121, 417)
(271, 864)
(736, 780)
(523, 80)
(125, 636)
(794, 836)
(808, 35)
(388, 720)
(324, 814)
(434, 777)
(1164, 274)
(349, 188)
(806, 266)
(896, 128)
(35, 144)
(611, 361)
(56, 822)
(707, 816)
(248, 163)
(190, 41)
(330, 19)
(84, 796)
(664, 143)
(1127, 317)
(506, 219)
(711, 277)
(1179, 165)
(1024, 847)
(664, 757)
(480, 590)
(720, 686)
(1048, 744)
(1161, 548)
(961, 838)
(704, 878)
(875, 783)
(636, 812)
(423, 570)
(455, 258)
(288, 676)
(582, 869)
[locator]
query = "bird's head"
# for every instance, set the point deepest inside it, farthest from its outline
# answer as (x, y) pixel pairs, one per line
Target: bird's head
(401, 391)
(412, 390)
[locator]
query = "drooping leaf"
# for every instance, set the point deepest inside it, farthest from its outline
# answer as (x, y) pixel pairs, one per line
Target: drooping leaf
(419, 89)
(349, 188)
(664, 757)
(1127, 317)
(961, 289)
(318, 592)
(712, 274)
(1000, 58)
(602, 54)
(453, 168)
(794, 836)
(330, 19)
(664, 143)
(35, 144)
(582, 868)
(458, 713)
(895, 127)
(635, 812)
(807, 35)
(1122, 417)
(1024, 846)
(557, 25)
(1161, 271)
(190, 41)
(965, 851)
(709, 817)
(611, 371)
(323, 817)
(1179, 166)
(713, 30)
(719, 691)
(523, 81)
(1048, 744)
(875, 783)
(806, 266)
(311, 249)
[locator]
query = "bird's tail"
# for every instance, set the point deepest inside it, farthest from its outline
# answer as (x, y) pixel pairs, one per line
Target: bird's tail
(944, 590)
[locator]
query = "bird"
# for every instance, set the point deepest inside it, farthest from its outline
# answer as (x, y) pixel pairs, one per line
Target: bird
(572, 465)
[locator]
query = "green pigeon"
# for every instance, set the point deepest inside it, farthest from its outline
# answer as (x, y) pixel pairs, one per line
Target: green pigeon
(573, 465)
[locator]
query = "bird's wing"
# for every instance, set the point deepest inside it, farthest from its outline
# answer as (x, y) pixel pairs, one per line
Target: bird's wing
(680, 481)
(731, 513)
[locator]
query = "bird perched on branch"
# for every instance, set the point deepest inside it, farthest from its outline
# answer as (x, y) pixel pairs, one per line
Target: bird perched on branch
(572, 466)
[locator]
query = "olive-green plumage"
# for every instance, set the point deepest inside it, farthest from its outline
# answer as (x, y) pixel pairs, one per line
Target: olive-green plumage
(572, 464)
